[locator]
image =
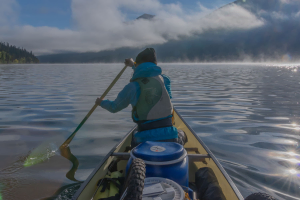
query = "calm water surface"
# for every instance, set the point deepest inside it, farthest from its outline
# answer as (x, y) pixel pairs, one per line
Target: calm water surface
(248, 115)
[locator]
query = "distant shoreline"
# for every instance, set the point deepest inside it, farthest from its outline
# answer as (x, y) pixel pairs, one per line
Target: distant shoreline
(175, 63)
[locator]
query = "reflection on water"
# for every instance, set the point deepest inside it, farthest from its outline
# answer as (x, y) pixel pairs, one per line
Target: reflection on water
(66, 152)
(248, 115)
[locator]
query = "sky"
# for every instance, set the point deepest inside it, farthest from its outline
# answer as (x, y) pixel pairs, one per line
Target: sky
(54, 13)
(56, 26)
(58, 13)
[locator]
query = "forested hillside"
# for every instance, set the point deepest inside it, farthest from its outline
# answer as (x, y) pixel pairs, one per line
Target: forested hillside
(13, 54)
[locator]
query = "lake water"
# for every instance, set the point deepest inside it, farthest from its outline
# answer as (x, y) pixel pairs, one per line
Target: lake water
(248, 115)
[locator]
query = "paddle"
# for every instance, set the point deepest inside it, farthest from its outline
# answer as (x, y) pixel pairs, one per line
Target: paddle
(49, 149)
(67, 142)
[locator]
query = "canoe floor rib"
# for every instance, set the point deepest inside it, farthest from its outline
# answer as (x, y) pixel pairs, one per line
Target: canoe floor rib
(194, 147)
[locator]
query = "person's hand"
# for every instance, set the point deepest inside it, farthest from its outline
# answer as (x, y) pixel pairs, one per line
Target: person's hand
(98, 101)
(129, 62)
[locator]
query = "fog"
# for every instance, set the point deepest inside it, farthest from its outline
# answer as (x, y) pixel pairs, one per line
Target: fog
(104, 25)
(104, 31)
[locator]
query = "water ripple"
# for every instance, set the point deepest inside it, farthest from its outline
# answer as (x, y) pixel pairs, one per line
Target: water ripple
(248, 115)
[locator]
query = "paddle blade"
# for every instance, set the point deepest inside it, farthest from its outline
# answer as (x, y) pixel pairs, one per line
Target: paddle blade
(41, 154)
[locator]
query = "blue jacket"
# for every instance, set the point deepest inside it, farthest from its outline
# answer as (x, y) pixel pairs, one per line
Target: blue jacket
(130, 95)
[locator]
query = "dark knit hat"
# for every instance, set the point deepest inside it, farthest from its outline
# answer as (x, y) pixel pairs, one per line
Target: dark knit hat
(148, 55)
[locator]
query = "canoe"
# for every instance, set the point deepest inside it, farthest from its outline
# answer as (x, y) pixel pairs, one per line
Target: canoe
(193, 146)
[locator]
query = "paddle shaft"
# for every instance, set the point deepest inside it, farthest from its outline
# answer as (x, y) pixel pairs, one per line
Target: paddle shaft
(67, 142)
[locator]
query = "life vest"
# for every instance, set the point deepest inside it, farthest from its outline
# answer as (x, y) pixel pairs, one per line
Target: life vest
(154, 101)
(110, 187)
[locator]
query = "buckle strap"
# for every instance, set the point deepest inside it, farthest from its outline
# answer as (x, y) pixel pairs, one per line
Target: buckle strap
(156, 124)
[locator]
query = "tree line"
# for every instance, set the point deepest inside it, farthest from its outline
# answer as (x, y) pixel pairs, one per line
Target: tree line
(12, 54)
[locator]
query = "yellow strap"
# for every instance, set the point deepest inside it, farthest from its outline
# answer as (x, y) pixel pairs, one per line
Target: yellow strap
(187, 196)
(173, 117)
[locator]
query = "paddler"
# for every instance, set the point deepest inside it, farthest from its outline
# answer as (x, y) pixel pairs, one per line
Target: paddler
(149, 93)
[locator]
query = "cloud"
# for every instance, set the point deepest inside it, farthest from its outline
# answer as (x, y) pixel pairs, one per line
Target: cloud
(289, 1)
(100, 25)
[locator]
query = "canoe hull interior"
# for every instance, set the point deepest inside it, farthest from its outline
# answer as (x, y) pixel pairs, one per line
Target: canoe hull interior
(193, 146)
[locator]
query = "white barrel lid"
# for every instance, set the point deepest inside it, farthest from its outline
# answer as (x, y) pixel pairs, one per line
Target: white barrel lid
(166, 186)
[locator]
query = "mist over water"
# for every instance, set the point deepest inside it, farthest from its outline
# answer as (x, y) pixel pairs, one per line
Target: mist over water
(247, 114)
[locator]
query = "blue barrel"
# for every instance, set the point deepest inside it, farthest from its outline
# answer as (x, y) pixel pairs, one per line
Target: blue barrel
(163, 159)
